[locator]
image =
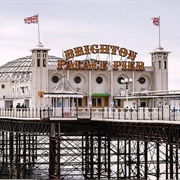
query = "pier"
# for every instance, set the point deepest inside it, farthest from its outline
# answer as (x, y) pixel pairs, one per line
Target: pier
(90, 143)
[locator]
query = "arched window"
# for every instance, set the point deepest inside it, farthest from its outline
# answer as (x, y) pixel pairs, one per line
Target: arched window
(44, 62)
(38, 62)
(165, 65)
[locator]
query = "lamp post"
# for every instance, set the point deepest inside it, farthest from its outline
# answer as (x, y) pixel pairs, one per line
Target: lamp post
(126, 81)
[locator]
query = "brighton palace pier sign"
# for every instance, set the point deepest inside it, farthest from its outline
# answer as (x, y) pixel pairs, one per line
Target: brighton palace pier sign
(130, 65)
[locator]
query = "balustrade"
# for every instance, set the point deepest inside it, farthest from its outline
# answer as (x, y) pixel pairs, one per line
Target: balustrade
(161, 113)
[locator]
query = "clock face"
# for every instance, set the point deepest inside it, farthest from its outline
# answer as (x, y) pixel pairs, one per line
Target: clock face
(142, 80)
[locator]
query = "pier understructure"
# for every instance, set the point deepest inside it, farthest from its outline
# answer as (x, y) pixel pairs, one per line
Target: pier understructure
(89, 149)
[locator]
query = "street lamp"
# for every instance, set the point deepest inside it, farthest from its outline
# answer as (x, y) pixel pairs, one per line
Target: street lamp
(126, 81)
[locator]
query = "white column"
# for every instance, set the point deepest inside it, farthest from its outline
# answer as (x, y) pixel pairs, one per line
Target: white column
(112, 89)
(90, 90)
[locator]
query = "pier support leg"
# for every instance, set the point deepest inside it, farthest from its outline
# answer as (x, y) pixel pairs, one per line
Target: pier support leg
(54, 152)
(17, 156)
(24, 156)
(11, 154)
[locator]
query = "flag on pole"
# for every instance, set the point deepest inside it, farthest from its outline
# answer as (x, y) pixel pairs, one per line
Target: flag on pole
(156, 21)
(30, 20)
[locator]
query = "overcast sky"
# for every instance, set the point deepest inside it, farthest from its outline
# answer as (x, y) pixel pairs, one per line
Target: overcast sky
(68, 24)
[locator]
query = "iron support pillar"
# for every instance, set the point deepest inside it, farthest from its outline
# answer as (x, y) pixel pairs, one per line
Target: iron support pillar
(99, 156)
(177, 163)
(17, 156)
(54, 152)
(146, 160)
(11, 154)
(91, 156)
(138, 161)
(24, 156)
(158, 169)
(109, 157)
(118, 161)
(171, 161)
(167, 162)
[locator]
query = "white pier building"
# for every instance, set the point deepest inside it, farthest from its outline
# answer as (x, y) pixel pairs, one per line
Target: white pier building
(41, 80)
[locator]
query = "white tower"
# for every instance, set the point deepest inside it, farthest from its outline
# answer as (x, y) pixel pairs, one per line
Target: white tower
(159, 59)
(39, 75)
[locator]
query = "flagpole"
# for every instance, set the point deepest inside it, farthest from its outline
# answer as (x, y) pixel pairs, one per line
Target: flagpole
(159, 33)
(38, 31)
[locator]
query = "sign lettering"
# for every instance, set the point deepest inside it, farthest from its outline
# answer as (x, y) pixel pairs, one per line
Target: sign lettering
(102, 48)
(68, 64)
(100, 65)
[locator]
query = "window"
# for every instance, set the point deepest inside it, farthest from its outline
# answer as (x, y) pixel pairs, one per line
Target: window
(38, 62)
(142, 80)
(143, 104)
(55, 79)
(93, 101)
(77, 79)
(2, 86)
(165, 65)
(117, 102)
(80, 102)
(99, 80)
(99, 102)
(44, 62)
(159, 64)
(120, 79)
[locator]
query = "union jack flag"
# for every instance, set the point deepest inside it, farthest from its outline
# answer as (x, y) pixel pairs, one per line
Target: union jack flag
(156, 21)
(33, 19)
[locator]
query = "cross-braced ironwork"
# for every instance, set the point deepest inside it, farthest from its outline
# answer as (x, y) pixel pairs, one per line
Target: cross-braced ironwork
(89, 150)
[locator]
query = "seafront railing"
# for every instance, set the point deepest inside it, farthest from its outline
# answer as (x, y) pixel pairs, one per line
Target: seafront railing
(20, 112)
(165, 113)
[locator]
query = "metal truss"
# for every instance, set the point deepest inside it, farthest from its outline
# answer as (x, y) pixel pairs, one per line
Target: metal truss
(28, 127)
(89, 150)
(24, 156)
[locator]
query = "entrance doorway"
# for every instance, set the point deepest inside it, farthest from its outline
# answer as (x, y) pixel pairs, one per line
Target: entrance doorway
(100, 102)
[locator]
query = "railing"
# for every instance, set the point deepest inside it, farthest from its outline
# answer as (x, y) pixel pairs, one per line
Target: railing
(165, 113)
(20, 112)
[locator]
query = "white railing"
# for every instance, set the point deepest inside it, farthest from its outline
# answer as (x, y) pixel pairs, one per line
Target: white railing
(162, 113)
(20, 112)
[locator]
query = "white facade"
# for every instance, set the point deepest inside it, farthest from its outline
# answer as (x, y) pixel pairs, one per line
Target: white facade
(22, 84)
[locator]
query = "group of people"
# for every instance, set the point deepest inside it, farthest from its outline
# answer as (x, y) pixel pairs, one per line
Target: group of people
(19, 106)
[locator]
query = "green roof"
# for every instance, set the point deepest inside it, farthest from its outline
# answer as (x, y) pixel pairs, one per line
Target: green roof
(100, 94)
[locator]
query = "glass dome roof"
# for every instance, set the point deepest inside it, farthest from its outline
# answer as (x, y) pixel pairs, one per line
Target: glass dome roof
(21, 68)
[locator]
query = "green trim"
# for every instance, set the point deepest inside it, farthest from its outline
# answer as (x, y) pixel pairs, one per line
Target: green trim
(100, 95)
